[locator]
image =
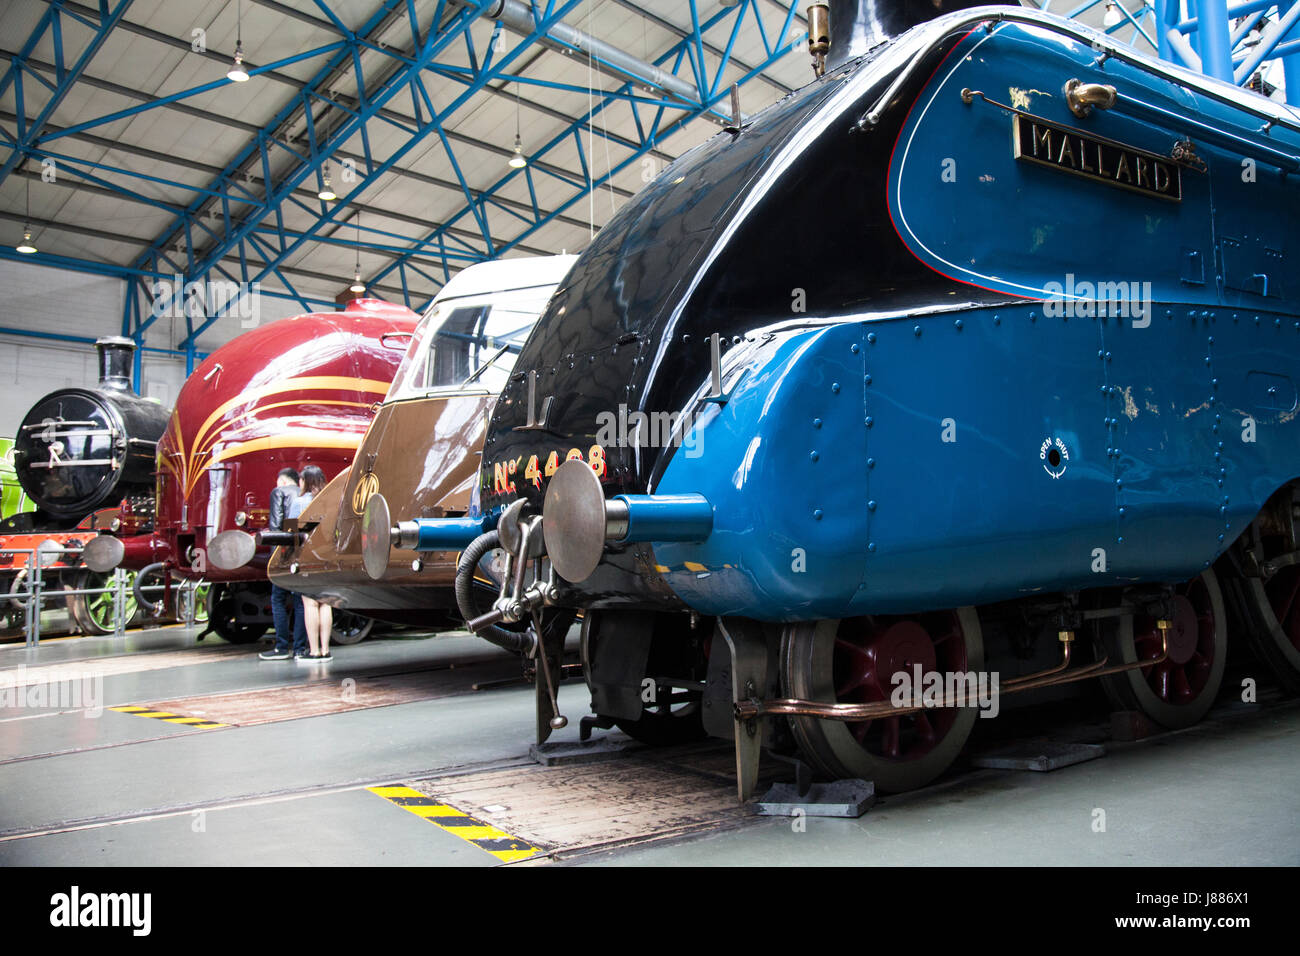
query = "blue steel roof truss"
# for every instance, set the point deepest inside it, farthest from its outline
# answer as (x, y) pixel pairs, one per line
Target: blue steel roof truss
(243, 214)
(232, 229)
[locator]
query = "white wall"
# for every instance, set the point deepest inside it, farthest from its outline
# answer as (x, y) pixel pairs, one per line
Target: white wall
(42, 299)
(50, 300)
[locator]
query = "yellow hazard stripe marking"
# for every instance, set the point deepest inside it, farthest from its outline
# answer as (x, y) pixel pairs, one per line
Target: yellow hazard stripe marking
(167, 717)
(485, 836)
(691, 567)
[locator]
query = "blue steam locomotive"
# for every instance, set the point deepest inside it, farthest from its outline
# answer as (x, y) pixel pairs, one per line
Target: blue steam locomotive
(981, 348)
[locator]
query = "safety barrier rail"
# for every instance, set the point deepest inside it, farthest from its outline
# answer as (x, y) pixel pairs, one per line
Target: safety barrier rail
(33, 592)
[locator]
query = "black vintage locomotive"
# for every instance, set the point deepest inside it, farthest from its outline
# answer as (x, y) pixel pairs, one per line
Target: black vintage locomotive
(85, 457)
(84, 448)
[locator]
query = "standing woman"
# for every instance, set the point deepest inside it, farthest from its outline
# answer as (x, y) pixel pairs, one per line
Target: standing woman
(318, 618)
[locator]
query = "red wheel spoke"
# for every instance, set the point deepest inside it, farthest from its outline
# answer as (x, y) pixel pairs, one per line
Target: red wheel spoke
(1147, 646)
(890, 738)
(924, 728)
(1162, 683)
(1182, 687)
(867, 651)
(1290, 601)
(1293, 631)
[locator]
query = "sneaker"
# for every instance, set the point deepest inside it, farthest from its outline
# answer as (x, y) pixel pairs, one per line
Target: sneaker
(308, 659)
(324, 658)
(274, 655)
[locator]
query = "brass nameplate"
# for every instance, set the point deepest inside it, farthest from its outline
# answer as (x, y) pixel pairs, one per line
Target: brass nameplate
(1038, 141)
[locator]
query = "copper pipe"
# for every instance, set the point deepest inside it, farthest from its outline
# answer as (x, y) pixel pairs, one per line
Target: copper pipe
(794, 707)
(1014, 682)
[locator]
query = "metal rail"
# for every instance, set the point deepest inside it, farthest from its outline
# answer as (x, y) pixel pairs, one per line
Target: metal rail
(1273, 114)
(34, 592)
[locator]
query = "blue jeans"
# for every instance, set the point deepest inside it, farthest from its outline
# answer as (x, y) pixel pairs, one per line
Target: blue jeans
(300, 645)
(281, 601)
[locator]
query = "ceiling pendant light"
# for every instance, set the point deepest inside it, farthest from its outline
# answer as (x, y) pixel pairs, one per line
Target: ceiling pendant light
(518, 160)
(237, 73)
(26, 247)
(357, 285)
(326, 193)
(1113, 17)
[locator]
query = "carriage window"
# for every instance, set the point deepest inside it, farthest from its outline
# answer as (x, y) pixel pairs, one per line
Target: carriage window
(459, 347)
(475, 345)
(471, 345)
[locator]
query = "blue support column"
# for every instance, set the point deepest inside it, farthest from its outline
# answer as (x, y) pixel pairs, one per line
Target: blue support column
(1168, 13)
(131, 328)
(1291, 62)
(1212, 39)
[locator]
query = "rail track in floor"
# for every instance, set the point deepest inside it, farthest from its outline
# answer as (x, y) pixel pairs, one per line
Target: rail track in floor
(637, 797)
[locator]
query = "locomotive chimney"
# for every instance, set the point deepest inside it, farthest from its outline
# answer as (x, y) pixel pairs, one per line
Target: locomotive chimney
(858, 25)
(115, 355)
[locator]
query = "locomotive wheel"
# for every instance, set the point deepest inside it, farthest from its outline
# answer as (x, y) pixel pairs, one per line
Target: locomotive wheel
(94, 612)
(1177, 692)
(13, 610)
(676, 715)
(17, 592)
(223, 619)
(853, 661)
(350, 628)
(1273, 615)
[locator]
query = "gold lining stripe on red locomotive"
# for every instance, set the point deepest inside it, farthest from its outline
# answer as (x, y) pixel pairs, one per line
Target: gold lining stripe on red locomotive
(304, 383)
(189, 472)
(304, 438)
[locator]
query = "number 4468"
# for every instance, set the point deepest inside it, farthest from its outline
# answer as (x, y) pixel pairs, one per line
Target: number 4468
(535, 471)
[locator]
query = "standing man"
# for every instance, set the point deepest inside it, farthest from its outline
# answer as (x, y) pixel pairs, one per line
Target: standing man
(283, 495)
